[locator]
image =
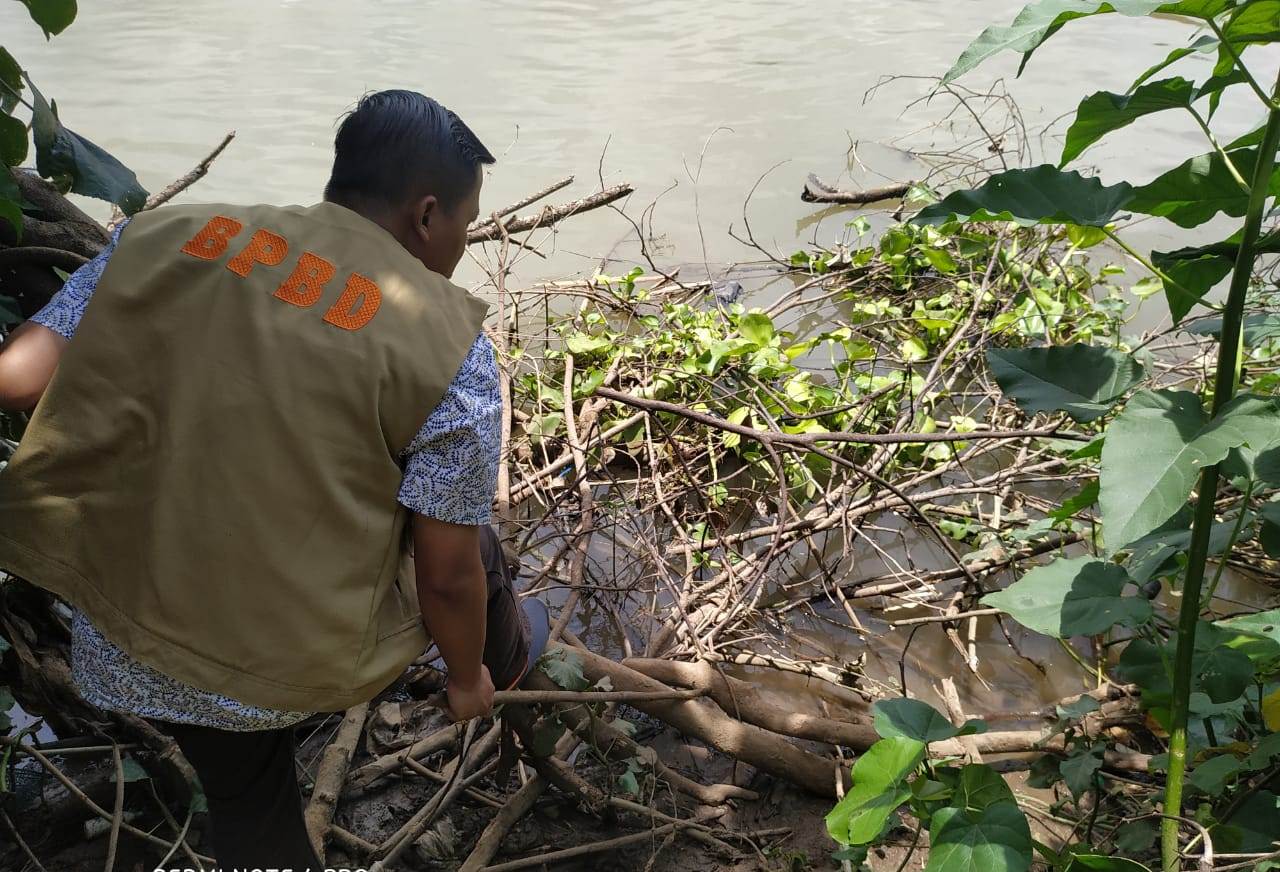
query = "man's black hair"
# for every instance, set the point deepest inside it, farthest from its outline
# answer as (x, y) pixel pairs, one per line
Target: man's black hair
(398, 145)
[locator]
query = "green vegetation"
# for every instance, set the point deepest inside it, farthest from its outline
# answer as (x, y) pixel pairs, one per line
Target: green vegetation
(1184, 475)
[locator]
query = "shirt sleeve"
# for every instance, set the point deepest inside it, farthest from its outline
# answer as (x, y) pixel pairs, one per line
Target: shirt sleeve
(64, 310)
(451, 466)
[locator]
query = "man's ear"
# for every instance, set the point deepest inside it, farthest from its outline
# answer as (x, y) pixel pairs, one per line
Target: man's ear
(426, 210)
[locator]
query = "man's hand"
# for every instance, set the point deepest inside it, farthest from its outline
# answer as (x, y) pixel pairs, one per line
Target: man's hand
(466, 702)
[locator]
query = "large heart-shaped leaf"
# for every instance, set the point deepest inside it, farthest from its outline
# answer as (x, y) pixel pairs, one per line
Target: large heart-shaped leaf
(1200, 188)
(879, 787)
(10, 81)
(53, 16)
(1040, 195)
(1039, 21)
(914, 719)
(1188, 277)
(1103, 112)
(1081, 596)
(1251, 425)
(1149, 464)
(992, 839)
(1255, 821)
(93, 172)
(1257, 636)
(1219, 671)
(1082, 380)
(1202, 44)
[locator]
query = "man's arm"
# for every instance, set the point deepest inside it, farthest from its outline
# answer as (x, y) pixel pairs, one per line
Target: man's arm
(453, 597)
(451, 472)
(30, 355)
(27, 361)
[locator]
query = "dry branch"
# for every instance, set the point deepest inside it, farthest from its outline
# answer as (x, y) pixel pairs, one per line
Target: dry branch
(816, 191)
(331, 775)
(549, 215)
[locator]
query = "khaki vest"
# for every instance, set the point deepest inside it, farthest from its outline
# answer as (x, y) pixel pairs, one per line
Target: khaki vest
(212, 473)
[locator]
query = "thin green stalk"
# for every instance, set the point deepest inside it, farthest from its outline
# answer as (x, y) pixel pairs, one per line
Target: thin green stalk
(1223, 390)
(1226, 158)
(1269, 102)
(1207, 599)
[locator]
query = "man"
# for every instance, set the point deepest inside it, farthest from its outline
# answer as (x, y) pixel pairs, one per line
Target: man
(266, 414)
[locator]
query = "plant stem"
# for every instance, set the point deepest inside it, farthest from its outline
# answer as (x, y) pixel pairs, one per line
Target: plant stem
(1223, 390)
(1269, 102)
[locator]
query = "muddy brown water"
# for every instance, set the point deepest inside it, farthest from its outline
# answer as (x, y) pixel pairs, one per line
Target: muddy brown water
(697, 100)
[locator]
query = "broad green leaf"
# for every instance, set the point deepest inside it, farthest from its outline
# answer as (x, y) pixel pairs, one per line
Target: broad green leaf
(10, 200)
(1080, 768)
(913, 350)
(980, 787)
(879, 787)
(1254, 22)
(1040, 195)
(1258, 327)
(1212, 775)
(93, 172)
(1036, 23)
(757, 327)
(993, 839)
(13, 141)
(1153, 554)
(1135, 837)
(1080, 596)
(1198, 189)
(564, 667)
(1082, 380)
(1103, 112)
(1257, 636)
(10, 81)
(53, 16)
(914, 719)
(1150, 463)
(1269, 535)
(1202, 44)
(1220, 672)
(1250, 423)
(1087, 497)
(1187, 278)
(1104, 863)
(1258, 821)
(585, 343)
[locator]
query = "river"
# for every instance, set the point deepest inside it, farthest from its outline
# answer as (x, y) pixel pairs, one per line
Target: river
(655, 94)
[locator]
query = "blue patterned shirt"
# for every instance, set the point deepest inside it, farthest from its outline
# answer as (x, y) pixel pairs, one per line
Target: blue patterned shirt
(450, 473)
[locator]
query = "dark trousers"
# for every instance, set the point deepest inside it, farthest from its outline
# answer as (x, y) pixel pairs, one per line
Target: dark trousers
(249, 778)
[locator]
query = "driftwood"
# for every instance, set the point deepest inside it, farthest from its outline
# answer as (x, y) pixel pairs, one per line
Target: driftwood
(548, 216)
(816, 191)
(330, 776)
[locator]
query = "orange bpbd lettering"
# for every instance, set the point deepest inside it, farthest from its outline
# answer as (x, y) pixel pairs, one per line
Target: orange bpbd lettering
(213, 238)
(356, 307)
(264, 247)
(303, 287)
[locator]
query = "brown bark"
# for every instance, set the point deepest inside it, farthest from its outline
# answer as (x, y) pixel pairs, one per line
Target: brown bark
(817, 191)
(331, 775)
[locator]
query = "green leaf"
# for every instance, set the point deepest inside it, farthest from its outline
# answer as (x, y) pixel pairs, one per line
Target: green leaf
(879, 787)
(585, 343)
(53, 16)
(564, 667)
(981, 787)
(10, 200)
(1033, 25)
(914, 719)
(1258, 327)
(913, 350)
(1080, 769)
(993, 839)
(1220, 672)
(1103, 112)
(93, 172)
(1250, 423)
(1211, 776)
(1198, 189)
(1135, 837)
(1190, 275)
(1040, 195)
(13, 141)
(1202, 44)
(1150, 463)
(1082, 380)
(1258, 820)
(1087, 497)
(1269, 535)
(1257, 636)
(1104, 863)
(756, 327)
(1081, 596)
(133, 770)
(10, 81)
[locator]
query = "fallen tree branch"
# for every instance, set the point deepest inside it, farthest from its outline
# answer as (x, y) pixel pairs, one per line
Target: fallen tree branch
(549, 215)
(331, 775)
(520, 204)
(817, 191)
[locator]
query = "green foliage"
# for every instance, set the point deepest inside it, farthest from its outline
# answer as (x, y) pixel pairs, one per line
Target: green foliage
(912, 719)
(1072, 597)
(1202, 681)
(53, 16)
(1040, 195)
(1084, 381)
(879, 787)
